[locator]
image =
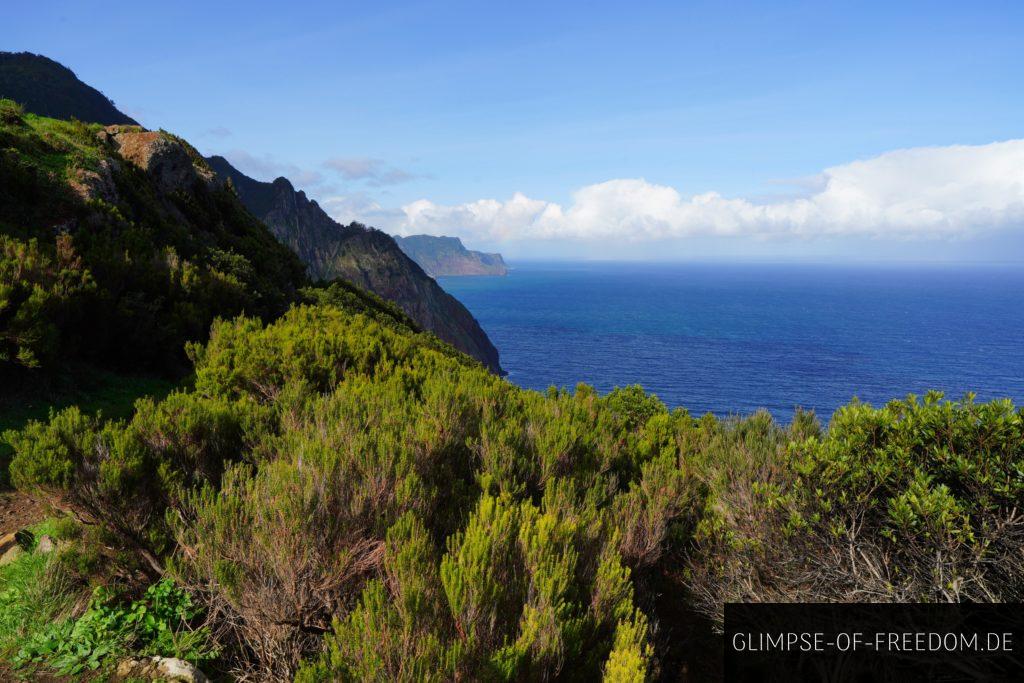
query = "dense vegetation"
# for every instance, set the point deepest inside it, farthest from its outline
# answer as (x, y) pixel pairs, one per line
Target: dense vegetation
(347, 499)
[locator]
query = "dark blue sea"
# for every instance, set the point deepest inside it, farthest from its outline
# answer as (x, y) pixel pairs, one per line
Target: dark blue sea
(730, 339)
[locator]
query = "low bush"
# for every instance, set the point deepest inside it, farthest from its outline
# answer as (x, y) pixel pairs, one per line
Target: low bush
(43, 293)
(125, 475)
(918, 501)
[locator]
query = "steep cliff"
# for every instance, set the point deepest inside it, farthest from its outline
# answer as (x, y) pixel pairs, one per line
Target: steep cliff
(364, 256)
(441, 256)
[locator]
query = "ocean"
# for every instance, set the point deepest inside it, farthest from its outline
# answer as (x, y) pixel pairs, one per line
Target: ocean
(731, 339)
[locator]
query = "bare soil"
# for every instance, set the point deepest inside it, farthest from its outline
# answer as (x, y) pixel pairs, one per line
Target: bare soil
(18, 511)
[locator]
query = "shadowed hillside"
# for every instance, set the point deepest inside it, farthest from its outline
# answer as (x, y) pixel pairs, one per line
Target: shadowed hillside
(47, 88)
(118, 245)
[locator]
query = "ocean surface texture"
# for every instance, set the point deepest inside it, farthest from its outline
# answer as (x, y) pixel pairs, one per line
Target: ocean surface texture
(730, 339)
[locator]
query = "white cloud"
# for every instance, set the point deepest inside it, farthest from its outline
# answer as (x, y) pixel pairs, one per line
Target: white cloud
(361, 208)
(218, 132)
(926, 191)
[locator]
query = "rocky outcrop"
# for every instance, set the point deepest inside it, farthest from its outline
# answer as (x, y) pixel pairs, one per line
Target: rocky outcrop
(363, 256)
(96, 184)
(164, 157)
(447, 256)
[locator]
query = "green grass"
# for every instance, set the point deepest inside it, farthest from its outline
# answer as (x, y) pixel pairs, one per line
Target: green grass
(30, 597)
(40, 630)
(111, 394)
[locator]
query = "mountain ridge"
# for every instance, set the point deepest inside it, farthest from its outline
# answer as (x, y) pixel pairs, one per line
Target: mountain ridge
(364, 256)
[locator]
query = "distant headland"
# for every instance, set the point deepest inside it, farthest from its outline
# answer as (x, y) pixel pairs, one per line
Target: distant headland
(441, 256)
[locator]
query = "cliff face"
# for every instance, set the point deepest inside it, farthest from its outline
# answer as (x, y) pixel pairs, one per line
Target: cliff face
(47, 88)
(440, 256)
(363, 256)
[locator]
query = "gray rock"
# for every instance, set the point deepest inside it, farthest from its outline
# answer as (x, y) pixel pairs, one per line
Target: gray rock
(96, 184)
(160, 668)
(45, 545)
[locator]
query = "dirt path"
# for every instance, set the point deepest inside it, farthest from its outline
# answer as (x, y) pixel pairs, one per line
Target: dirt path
(18, 511)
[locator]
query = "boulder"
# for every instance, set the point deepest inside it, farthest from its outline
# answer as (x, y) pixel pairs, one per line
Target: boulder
(96, 184)
(14, 545)
(8, 540)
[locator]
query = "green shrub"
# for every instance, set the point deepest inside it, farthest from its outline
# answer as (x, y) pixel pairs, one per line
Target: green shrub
(915, 501)
(44, 293)
(125, 475)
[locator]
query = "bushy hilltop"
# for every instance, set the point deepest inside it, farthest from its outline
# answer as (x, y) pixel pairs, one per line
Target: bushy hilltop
(117, 246)
(346, 500)
(365, 257)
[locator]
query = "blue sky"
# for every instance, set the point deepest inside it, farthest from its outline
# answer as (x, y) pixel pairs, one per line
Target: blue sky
(409, 115)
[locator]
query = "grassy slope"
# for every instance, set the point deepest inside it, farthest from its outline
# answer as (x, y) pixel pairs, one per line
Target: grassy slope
(27, 601)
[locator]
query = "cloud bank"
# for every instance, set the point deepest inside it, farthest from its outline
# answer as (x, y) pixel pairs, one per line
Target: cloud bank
(374, 171)
(919, 192)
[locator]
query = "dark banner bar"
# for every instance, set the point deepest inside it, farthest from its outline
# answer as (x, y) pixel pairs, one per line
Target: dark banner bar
(864, 643)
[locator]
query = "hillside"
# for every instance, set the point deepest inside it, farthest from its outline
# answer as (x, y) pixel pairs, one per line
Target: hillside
(446, 256)
(365, 257)
(118, 245)
(362, 256)
(44, 87)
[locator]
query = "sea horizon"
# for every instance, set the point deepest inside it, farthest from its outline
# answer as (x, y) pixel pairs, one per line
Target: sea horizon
(733, 338)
